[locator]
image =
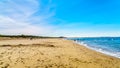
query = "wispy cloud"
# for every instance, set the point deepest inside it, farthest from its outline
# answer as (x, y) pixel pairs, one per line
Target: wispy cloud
(25, 17)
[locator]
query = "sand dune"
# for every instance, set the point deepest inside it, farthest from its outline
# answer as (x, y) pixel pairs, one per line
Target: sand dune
(51, 53)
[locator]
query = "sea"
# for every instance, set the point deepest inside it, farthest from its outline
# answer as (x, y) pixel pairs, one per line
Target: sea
(106, 45)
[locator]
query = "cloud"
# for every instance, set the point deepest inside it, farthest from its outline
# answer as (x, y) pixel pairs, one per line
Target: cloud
(25, 17)
(12, 26)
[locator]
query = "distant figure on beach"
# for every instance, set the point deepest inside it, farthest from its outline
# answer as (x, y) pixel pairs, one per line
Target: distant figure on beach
(75, 40)
(31, 38)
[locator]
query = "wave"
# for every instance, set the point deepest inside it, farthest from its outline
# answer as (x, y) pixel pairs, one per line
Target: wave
(101, 50)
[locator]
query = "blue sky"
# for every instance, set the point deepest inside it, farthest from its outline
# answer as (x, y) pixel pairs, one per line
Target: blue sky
(81, 18)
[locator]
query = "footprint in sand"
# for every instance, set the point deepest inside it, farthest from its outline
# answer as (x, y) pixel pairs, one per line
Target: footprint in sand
(6, 66)
(1, 63)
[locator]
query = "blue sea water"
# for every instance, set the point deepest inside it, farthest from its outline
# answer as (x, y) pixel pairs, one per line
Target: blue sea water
(106, 45)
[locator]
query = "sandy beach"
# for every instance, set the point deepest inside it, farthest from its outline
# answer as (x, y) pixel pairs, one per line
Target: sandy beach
(51, 53)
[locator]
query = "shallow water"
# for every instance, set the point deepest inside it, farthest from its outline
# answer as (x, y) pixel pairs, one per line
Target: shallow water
(106, 45)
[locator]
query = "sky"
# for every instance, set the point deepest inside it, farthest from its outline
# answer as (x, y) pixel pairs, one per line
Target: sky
(70, 18)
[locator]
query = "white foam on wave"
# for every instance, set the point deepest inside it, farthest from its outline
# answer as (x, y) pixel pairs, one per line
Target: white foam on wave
(114, 54)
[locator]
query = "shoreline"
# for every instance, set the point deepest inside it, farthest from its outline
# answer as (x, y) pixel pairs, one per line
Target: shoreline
(87, 47)
(100, 51)
(52, 53)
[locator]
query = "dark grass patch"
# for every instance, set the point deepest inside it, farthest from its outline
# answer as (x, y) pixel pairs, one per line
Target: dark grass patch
(5, 45)
(44, 45)
(29, 45)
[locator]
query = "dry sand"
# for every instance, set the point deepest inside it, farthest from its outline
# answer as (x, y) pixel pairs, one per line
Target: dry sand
(51, 53)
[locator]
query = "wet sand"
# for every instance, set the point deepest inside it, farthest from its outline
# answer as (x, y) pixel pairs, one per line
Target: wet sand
(51, 53)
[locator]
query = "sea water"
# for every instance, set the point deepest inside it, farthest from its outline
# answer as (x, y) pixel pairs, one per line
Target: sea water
(106, 45)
